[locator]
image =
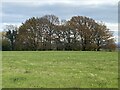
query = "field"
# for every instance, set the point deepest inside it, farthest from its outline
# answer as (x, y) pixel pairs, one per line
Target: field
(59, 69)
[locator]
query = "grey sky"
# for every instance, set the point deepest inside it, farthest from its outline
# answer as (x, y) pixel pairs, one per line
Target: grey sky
(16, 12)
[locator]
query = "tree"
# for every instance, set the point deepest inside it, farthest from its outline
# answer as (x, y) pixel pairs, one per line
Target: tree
(6, 45)
(30, 34)
(102, 36)
(83, 27)
(47, 33)
(53, 21)
(36, 34)
(92, 35)
(10, 33)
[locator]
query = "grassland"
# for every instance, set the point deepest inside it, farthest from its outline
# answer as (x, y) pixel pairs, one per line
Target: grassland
(60, 69)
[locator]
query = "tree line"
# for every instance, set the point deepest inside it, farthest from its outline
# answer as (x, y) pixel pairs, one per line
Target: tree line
(50, 33)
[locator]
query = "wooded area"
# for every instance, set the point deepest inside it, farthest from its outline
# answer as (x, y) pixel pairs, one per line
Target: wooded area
(51, 33)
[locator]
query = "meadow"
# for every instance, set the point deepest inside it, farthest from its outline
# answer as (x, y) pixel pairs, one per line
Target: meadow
(59, 69)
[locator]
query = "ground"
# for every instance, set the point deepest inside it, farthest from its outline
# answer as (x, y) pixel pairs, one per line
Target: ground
(59, 69)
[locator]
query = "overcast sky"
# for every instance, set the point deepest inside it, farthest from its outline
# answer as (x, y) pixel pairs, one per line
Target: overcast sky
(16, 12)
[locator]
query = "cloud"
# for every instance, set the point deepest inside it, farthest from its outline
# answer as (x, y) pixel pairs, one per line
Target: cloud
(17, 12)
(72, 2)
(112, 26)
(16, 24)
(2, 25)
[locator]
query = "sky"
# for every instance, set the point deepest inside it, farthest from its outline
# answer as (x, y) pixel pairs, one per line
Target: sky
(17, 11)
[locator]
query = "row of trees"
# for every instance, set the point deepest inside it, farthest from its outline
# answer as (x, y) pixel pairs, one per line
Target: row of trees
(49, 33)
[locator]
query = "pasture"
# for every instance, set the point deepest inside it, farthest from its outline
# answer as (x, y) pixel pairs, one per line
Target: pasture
(59, 69)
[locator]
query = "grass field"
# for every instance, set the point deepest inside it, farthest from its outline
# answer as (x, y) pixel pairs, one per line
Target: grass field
(60, 69)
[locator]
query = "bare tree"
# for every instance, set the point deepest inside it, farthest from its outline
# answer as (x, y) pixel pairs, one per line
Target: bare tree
(79, 33)
(54, 20)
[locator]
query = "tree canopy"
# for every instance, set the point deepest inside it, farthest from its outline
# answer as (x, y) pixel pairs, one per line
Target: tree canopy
(49, 33)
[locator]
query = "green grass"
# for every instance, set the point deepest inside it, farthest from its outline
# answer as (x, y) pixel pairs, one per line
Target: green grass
(59, 69)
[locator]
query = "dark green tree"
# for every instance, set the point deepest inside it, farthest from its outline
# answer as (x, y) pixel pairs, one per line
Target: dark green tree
(10, 33)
